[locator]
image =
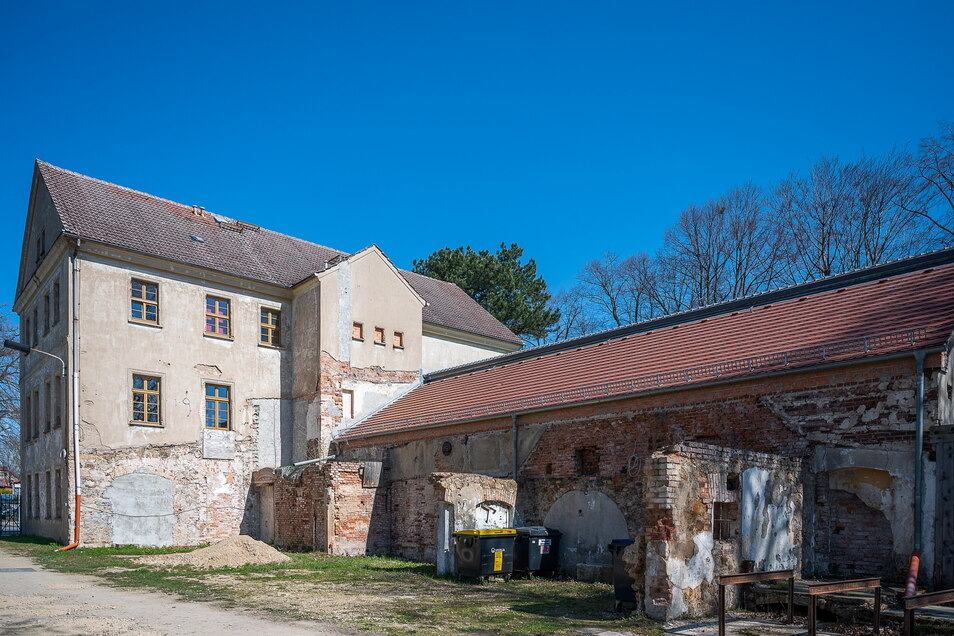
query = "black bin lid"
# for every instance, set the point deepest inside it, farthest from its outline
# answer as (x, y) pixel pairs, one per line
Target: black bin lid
(621, 543)
(538, 531)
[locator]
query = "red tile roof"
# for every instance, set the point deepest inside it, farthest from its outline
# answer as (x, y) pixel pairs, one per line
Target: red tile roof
(790, 329)
(100, 211)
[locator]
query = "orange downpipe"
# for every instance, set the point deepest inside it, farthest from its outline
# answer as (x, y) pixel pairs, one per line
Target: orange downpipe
(76, 528)
(911, 588)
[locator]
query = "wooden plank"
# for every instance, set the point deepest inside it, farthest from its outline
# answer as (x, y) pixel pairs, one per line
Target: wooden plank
(753, 577)
(833, 587)
(944, 521)
(931, 598)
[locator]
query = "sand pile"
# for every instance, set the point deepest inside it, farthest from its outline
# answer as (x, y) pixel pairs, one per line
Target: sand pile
(229, 553)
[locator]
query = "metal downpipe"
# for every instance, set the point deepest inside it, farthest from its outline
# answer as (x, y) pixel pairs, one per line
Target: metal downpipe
(77, 486)
(918, 452)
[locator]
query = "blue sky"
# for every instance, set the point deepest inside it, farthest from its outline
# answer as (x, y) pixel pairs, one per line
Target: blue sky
(571, 128)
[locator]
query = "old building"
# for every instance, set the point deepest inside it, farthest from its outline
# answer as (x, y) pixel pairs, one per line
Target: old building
(806, 428)
(197, 349)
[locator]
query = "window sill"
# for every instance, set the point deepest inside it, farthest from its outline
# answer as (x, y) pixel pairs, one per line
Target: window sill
(272, 347)
(399, 348)
(146, 425)
(357, 339)
(379, 344)
(144, 323)
(218, 337)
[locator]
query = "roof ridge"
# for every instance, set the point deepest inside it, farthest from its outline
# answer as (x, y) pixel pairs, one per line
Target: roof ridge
(182, 205)
(904, 265)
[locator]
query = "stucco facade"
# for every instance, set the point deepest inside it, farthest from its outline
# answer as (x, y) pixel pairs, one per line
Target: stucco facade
(190, 378)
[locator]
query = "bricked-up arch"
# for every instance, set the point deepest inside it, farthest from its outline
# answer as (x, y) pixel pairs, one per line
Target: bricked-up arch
(858, 535)
(589, 520)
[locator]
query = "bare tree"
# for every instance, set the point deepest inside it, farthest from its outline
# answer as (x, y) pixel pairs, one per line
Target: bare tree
(931, 195)
(603, 285)
(576, 316)
(812, 211)
(9, 397)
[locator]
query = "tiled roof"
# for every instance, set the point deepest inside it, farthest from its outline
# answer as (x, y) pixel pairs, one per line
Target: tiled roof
(900, 312)
(100, 211)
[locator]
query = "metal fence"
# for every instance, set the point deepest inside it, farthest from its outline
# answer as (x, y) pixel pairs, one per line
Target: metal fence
(9, 514)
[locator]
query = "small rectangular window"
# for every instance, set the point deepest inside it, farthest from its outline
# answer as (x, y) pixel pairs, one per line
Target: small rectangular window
(58, 489)
(58, 402)
(146, 400)
(218, 316)
(56, 302)
(26, 332)
(36, 497)
(48, 488)
(270, 328)
(379, 335)
(36, 326)
(357, 331)
(25, 418)
(47, 407)
(347, 403)
(725, 517)
(144, 301)
(35, 420)
(46, 314)
(26, 498)
(218, 407)
(398, 340)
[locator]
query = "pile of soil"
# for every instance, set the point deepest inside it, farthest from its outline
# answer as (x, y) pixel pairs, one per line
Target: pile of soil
(233, 552)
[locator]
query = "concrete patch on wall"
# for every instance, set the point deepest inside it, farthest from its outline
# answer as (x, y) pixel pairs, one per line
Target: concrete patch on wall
(769, 521)
(142, 513)
(589, 521)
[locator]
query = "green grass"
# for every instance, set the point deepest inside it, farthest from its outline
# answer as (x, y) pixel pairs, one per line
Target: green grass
(379, 594)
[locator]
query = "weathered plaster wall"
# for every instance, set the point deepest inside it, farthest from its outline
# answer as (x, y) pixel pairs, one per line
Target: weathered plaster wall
(441, 350)
(165, 495)
(690, 489)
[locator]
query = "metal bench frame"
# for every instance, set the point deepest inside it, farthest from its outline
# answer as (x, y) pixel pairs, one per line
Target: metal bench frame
(912, 603)
(833, 587)
(754, 577)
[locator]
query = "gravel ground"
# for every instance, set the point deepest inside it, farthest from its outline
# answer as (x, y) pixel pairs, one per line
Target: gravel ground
(37, 601)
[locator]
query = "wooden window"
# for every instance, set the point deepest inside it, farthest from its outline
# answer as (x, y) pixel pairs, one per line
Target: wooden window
(398, 340)
(379, 335)
(35, 419)
(48, 491)
(218, 316)
(144, 301)
(357, 331)
(46, 314)
(270, 332)
(47, 407)
(25, 418)
(58, 401)
(56, 302)
(218, 411)
(58, 491)
(146, 400)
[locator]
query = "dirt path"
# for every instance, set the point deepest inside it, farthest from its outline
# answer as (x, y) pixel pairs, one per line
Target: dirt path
(38, 601)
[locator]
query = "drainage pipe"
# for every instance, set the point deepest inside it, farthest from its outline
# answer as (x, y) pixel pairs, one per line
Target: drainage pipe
(918, 452)
(313, 461)
(77, 486)
(516, 447)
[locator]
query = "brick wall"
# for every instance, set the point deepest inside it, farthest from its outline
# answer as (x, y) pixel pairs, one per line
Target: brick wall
(861, 407)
